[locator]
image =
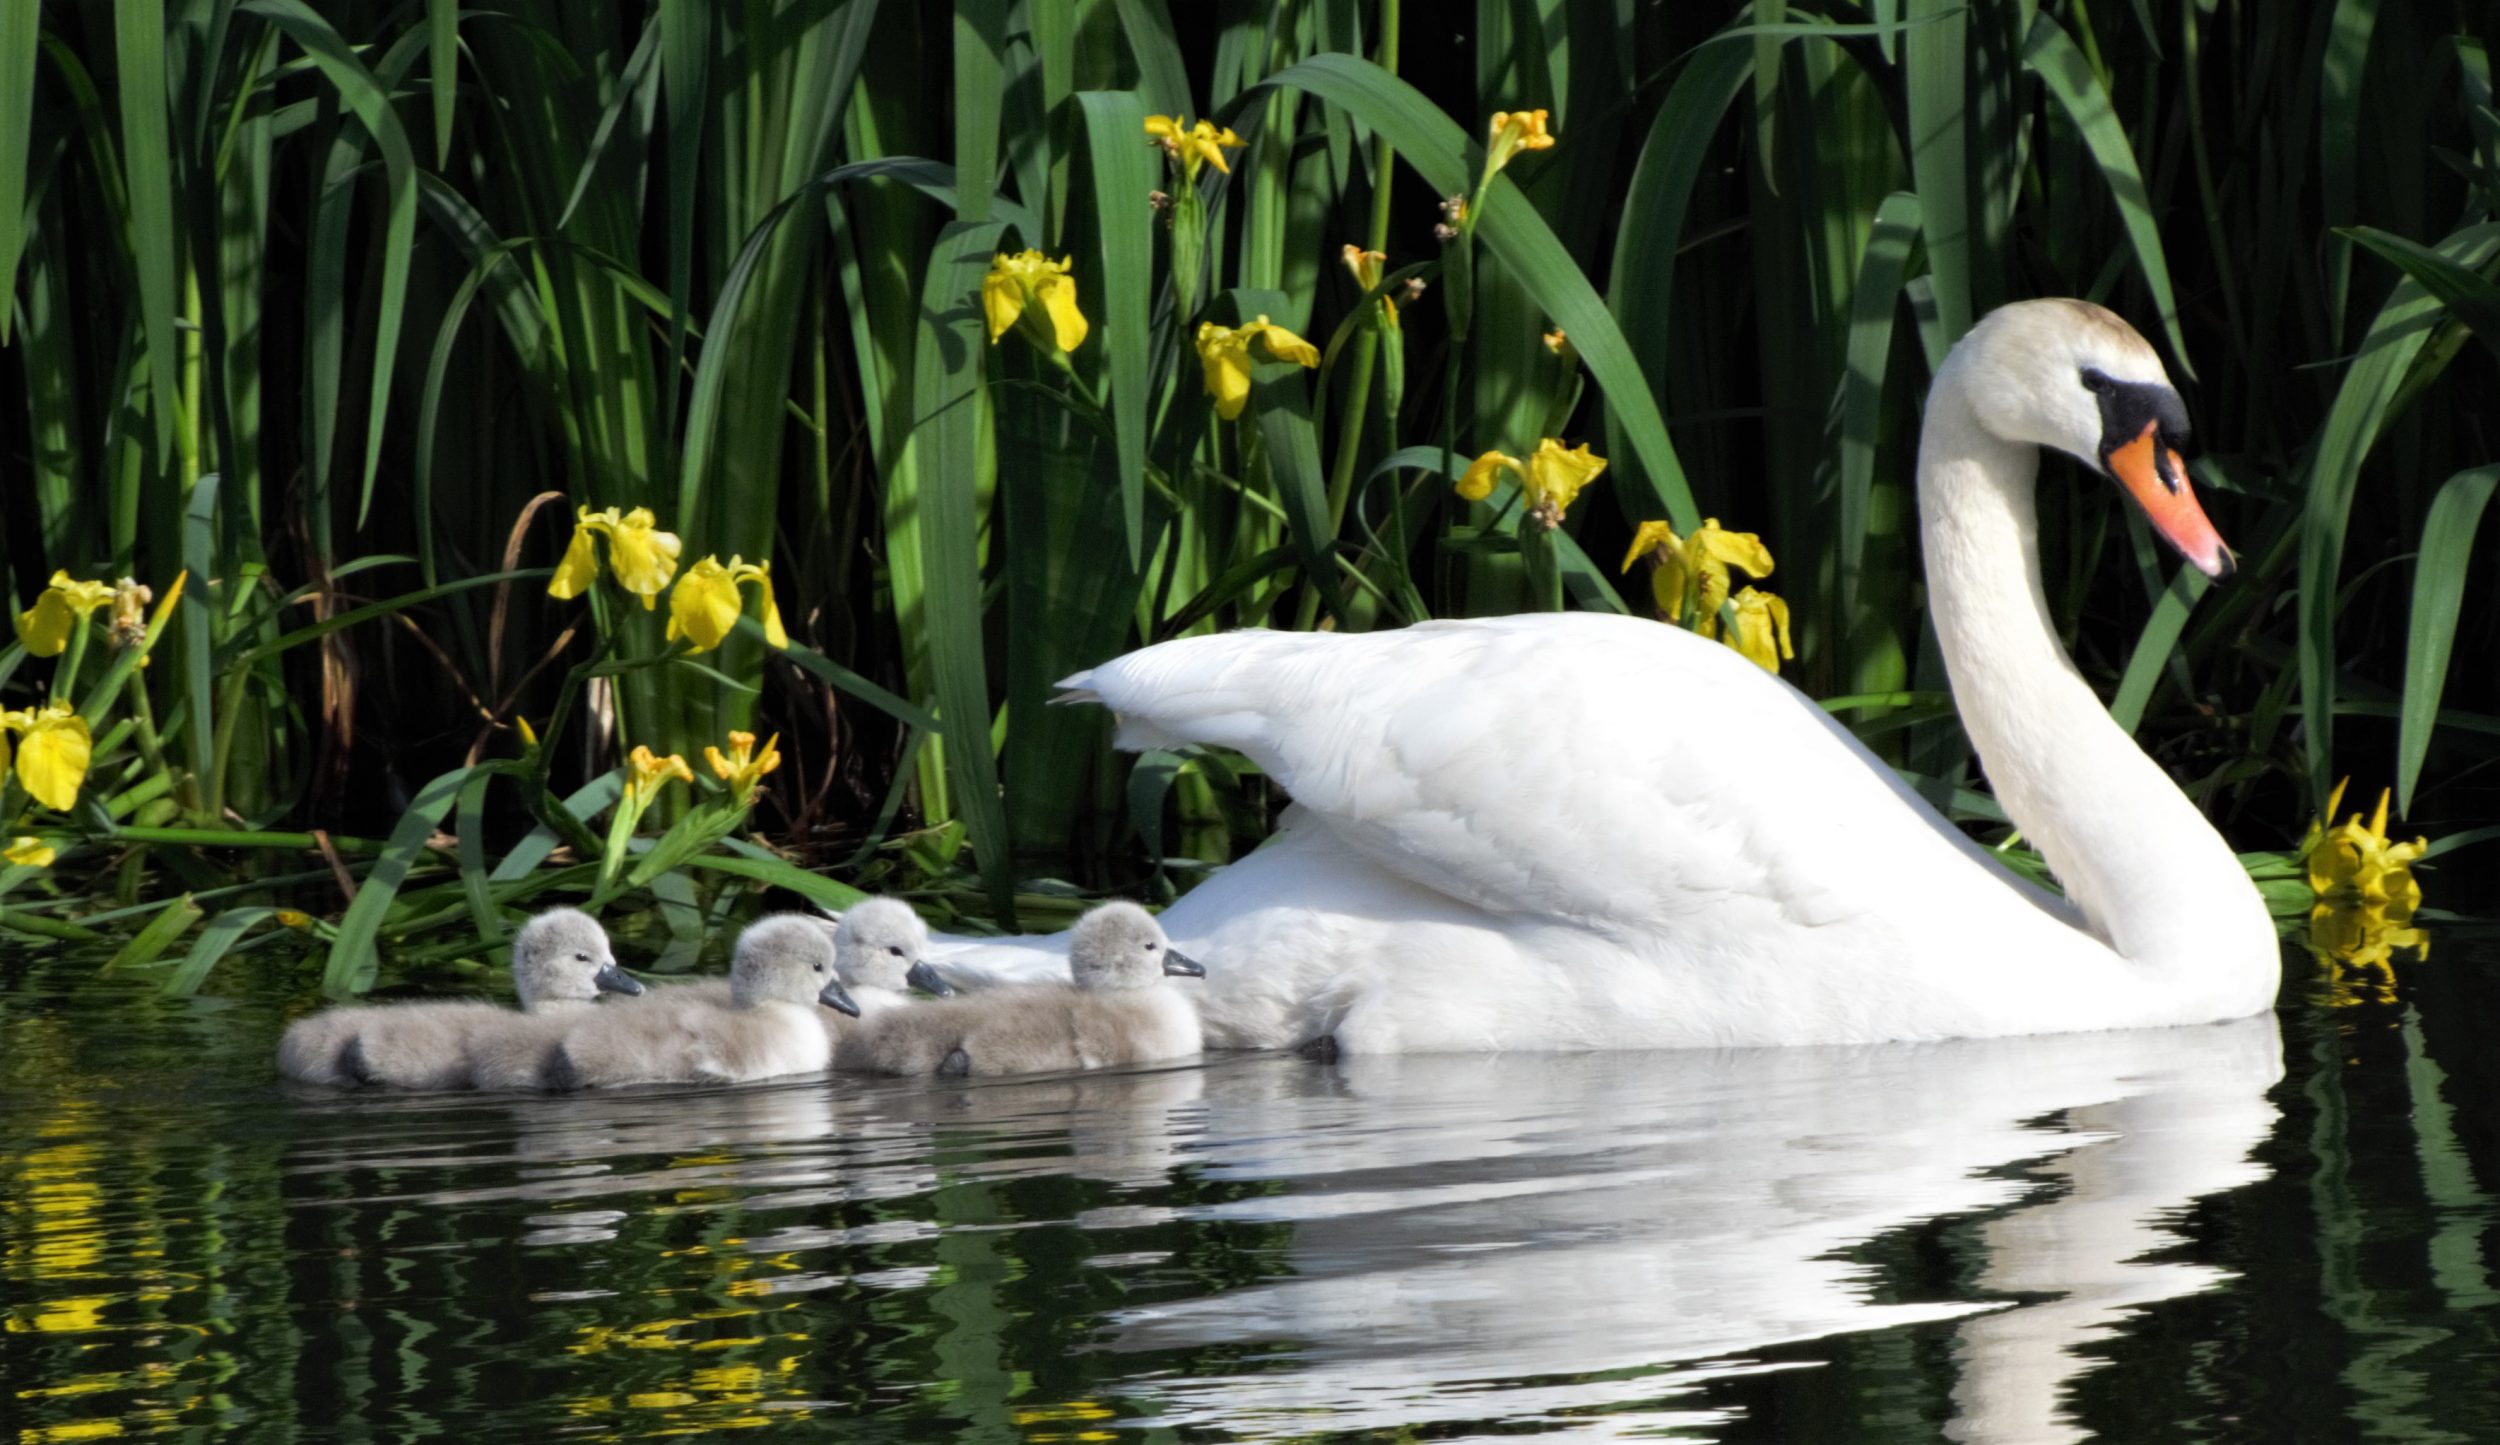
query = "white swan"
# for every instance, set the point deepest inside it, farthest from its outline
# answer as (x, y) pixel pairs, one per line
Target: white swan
(1582, 831)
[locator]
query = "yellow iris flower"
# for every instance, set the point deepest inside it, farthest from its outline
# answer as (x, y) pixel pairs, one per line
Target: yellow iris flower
(1693, 576)
(2353, 864)
(640, 555)
(2366, 898)
(1511, 132)
(1018, 281)
(1192, 146)
(743, 767)
(649, 773)
(1224, 353)
(1365, 266)
(1761, 630)
(53, 749)
(29, 852)
(1551, 477)
(45, 627)
(705, 605)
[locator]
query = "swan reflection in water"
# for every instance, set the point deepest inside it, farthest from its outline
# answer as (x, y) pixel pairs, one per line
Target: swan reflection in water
(1583, 1241)
(1501, 1238)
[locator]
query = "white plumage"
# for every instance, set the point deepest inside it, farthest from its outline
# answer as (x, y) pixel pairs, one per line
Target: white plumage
(1584, 831)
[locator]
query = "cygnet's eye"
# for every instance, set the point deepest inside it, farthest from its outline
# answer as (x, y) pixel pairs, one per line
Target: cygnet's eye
(1151, 946)
(820, 968)
(895, 949)
(581, 958)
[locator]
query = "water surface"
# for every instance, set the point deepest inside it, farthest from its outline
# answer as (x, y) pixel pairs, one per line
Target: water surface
(2278, 1229)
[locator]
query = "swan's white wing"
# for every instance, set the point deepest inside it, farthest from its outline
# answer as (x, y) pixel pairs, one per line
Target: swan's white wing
(1596, 769)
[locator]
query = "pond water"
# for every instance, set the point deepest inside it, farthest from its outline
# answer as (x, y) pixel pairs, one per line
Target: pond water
(2279, 1229)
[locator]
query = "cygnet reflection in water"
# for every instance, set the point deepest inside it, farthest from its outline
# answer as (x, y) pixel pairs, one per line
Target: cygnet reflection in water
(1665, 1214)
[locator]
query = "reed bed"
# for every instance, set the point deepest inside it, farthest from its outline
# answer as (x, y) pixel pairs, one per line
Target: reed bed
(333, 321)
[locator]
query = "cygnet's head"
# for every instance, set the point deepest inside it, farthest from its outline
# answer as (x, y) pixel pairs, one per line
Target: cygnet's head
(882, 943)
(787, 958)
(1119, 945)
(562, 955)
(2074, 376)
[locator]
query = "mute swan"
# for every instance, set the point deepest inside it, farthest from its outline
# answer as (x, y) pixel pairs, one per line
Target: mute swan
(1586, 832)
(560, 963)
(783, 970)
(1115, 1010)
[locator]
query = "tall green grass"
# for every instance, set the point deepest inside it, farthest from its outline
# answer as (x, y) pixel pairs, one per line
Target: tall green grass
(343, 309)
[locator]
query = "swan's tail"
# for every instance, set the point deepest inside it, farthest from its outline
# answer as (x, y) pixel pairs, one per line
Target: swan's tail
(1225, 690)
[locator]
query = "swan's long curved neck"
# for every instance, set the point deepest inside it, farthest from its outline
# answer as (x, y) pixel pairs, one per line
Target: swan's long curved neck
(2151, 875)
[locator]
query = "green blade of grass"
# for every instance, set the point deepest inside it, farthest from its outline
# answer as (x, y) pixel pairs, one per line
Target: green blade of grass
(2470, 298)
(1873, 303)
(2052, 56)
(20, 29)
(442, 24)
(2438, 600)
(2351, 428)
(370, 102)
(952, 449)
(148, 168)
(149, 943)
(1123, 173)
(2154, 646)
(354, 958)
(214, 942)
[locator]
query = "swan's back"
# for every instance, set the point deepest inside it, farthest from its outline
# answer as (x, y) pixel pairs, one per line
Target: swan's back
(1573, 768)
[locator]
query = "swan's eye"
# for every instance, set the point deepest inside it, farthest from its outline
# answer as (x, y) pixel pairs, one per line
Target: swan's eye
(894, 949)
(2095, 381)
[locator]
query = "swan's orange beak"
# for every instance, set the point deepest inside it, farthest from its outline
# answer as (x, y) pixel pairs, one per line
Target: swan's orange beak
(2157, 479)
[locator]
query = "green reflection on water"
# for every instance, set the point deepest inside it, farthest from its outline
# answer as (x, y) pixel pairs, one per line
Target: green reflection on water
(185, 1247)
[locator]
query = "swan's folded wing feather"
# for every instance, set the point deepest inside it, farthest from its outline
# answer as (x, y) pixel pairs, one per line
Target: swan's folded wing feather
(1574, 767)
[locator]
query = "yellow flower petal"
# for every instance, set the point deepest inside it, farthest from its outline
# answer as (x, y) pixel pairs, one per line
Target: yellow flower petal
(1761, 631)
(1646, 538)
(704, 606)
(1555, 476)
(1057, 293)
(649, 773)
(45, 628)
(1477, 484)
(52, 755)
(643, 557)
(1002, 299)
(580, 566)
(1283, 344)
(1164, 127)
(775, 635)
(29, 852)
(1710, 552)
(1224, 357)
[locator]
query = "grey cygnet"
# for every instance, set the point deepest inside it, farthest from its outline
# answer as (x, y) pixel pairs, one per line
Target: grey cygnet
(1117, 1008)
(782, 972)
(561, 963)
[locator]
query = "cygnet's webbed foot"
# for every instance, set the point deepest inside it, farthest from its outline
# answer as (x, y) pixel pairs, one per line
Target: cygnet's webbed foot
(1321, 1050)
(354, 1064)
(560, 1075)
(956, 1065)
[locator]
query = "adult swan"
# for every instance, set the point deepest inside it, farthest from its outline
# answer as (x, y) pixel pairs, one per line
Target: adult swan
(1595, 832)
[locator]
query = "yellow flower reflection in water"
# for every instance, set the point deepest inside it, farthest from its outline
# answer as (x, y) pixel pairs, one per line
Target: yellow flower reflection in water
(2366, 900)
(709, 1370)
(1074, 1412)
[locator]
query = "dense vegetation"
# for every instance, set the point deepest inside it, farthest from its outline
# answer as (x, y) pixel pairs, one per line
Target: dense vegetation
(335, 320)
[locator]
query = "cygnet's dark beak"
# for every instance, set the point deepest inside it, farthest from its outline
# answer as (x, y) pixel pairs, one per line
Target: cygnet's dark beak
(836, 998)
(612, 979)
(1181, 964)
(926, 979)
